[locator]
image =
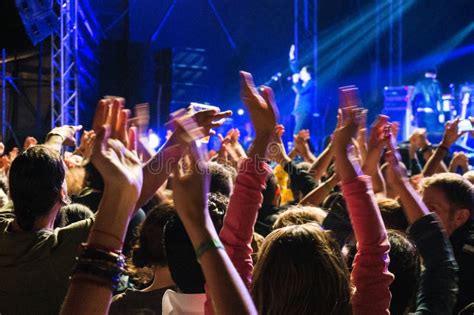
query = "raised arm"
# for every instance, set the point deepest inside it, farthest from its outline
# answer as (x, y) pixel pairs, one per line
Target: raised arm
(450, 136)
(237, 231)
(370, 267)
(438, 282)
(227, 290)
(374, 152)
(91, 287)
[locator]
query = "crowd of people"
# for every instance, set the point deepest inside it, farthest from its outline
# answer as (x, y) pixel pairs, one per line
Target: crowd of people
(367, 226)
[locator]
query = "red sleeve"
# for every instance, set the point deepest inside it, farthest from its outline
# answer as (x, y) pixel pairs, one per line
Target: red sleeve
(239, 221)
(370, 274)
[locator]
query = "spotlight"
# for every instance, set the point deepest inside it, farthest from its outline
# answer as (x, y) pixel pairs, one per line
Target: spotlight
(240, 112)
(153, 140)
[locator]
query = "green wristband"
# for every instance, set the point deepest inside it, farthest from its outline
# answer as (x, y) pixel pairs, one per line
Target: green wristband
(207, 245)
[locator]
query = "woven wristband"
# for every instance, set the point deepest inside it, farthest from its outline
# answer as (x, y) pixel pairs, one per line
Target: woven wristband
(207, 245)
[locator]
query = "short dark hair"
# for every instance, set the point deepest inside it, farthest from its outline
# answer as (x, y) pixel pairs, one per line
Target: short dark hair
(404, 264)
(36, 179)
(458, 190)
(392, 214)
(221, 179)
(270, 190)
(150, 249)
(182, 262)
(72, 213)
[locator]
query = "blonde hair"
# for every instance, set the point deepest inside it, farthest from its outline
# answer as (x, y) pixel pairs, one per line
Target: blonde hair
(300, 270)
(298, 215)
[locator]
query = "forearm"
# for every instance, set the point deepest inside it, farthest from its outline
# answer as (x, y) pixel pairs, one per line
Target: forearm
(293, 153)
(112, 218)
(317, 196)
(412, 204)
(157, 170)
(378, 181)
(434, 162)
(228, 292)
(108, 233)
(370, 267)
(344, 167)
(87, 295)
(54, 141)
(322, 163)
(242, 211)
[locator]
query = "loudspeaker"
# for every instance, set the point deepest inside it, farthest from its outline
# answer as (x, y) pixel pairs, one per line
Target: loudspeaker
(38, 17)
(182, 77)
(397, 105)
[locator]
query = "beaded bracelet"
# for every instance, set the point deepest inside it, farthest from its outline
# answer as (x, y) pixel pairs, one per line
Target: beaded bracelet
(101, 263)
(207, 245)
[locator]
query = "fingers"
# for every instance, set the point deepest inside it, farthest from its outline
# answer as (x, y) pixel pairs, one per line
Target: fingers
(269, 97)
(247, 84)
(114, 116)
(121, 129)
(100, 116)
(100, 144)
(132, 139)
(221, 115)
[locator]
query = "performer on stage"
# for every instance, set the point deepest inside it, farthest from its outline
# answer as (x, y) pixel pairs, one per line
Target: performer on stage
(427, 102)
(304, 86)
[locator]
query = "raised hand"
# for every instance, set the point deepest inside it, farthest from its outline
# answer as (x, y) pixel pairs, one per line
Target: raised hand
(376, 141)
(276, 150)
(67, 134)
(460, 159)
(86, 145)
(29, 142)
(190, 189)
(451, 134)
(261, 105)
(120, 168)
(348, 129)
(396, 172)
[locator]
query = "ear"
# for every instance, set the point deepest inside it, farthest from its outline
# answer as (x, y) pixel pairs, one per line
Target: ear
(462, 216)
(63, 196)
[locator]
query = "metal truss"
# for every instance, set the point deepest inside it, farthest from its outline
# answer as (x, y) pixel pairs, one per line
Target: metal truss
(64, 82)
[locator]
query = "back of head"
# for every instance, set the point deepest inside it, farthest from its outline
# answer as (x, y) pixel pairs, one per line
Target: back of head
(221, 179)
(270, 190)
(300, 270)
(298, 215)
(150, 249)
(405, 265)
(392, 214)
(182, 262)
(72, 213)
(36, 179)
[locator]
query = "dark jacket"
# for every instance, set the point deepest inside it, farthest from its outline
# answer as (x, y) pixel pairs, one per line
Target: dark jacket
(462, 241)
(438, 281)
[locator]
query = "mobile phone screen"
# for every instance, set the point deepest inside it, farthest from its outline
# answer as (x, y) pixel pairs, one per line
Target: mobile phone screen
(342, 96)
